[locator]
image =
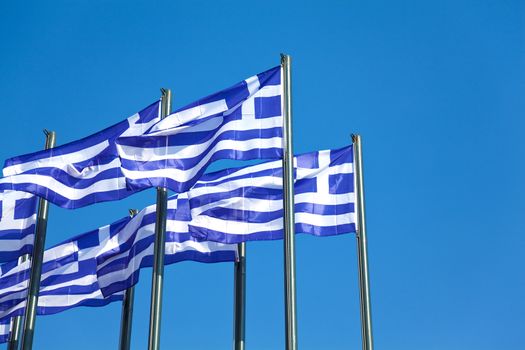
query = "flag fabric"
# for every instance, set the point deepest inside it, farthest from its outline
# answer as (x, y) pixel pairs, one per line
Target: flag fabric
(5, 330)
(82, 172)
(17, 224)
(68, 279)
(132, 249)
(242, 122)
(243, 204)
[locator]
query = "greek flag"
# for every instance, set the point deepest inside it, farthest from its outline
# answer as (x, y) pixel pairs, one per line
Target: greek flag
(243, 204)
(17, 224)
(69, 276)
(242, 122)
(79, 173)
(5, 330)
(132, 248)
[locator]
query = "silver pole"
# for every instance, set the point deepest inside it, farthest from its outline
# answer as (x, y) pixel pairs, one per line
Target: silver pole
(36, 262)
(240, 299)
(126, 320)
(159, 248)
(289, 219)
(362, 254)
(16, 322)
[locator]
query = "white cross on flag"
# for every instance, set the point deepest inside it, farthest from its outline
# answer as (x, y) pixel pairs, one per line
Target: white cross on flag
(17, 224)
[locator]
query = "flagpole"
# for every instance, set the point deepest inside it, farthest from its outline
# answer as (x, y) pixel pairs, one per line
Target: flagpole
(126, 320)
(362, 254)
(159, 248)
(36, 262)
(289, 219)
(16, 321)
(240, 299)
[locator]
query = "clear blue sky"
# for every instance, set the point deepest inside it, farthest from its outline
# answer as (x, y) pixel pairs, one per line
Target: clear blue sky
(435, 88)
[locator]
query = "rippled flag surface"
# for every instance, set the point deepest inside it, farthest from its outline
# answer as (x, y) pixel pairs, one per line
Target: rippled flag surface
(69, 276)
(78, 173)
(132, 249)
(244, 204)
(242, 122)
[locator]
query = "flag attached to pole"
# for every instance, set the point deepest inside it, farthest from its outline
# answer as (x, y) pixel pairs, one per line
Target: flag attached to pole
(17, 224)
(242, 122)
(132, 249)
(243, 204)
(79, 173)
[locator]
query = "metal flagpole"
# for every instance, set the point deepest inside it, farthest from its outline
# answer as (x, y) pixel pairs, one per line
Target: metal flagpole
(240, 299)
(16, 322)
(159, 248)
(36, 262)
(289, 219)
(126, 320)
(362, 254)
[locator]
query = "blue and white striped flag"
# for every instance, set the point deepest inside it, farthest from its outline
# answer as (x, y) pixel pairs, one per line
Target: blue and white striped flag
(242, 122)
(17, 224)
(5, 330)
(243, 204)
(82, 172)
(130, 250)
(69, 276)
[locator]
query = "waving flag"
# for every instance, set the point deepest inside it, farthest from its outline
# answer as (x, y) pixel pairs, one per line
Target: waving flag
(79, 173)
(243, 204)
(69, 276)
(242, 122)
(132, 248)
(17, 224)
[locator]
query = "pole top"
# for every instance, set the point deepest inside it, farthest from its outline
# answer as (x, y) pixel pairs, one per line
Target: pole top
(285, 58)
(47, 132)
(355, 137)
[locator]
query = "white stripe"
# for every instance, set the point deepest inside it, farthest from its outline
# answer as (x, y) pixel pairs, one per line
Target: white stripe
(59, 160)
(65, 191)
(186, 175)
(274, 182)
(175, 120)
(248, 107)
(13, 245)
(244, 228)
(138, 128)
(5, 327)
(172, 248)
(86, 280)
(67, 300)
(267, 205)
(190, 151)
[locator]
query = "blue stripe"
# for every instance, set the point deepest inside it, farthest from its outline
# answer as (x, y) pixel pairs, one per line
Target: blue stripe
(71, 181)
(147, 261)
(67, 203)
(242, 215)
(13, 255)
(86, 302)
(210, 179)
(238, 92)
(190, 138)
(217, 236)
(188, 163)
(110, 133)
(17, 234)
(177, 186)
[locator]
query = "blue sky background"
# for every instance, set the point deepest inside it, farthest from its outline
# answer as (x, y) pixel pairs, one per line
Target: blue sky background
(435, 88)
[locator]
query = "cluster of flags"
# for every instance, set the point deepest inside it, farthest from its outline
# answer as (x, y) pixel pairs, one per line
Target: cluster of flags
(206, 218)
